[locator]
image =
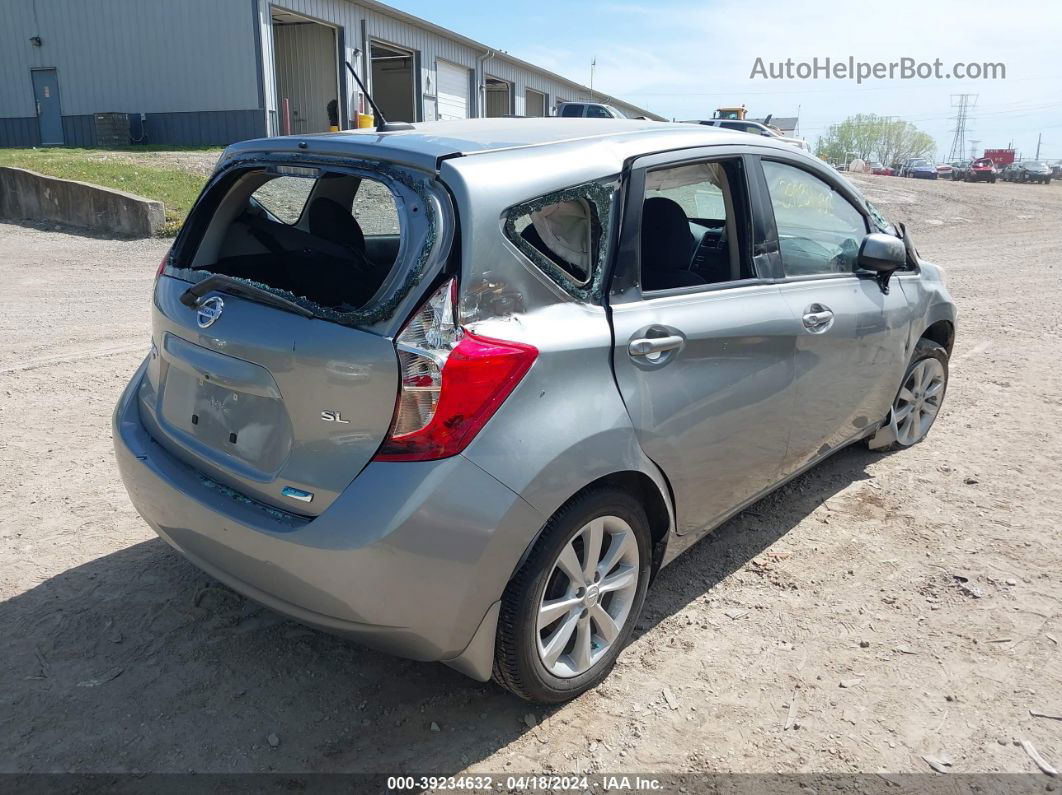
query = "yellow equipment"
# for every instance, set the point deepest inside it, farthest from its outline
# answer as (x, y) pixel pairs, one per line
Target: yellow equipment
(730, 113)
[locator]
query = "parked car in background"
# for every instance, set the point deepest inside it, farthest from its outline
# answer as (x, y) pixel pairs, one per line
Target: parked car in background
(754, 128)
(919, 168)
(327, 415)
(1056, 171)
(944, 170)
(959, 169)
(981, 170)
(1010, 172)
(880, 170)
(589, 110)
(1030, 171)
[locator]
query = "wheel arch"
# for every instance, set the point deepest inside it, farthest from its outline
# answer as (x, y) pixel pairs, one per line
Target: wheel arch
(655, 497)
(941, 332)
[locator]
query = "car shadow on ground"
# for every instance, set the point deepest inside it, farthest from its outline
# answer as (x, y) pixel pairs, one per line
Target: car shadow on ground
(136, 661)
(750, 533)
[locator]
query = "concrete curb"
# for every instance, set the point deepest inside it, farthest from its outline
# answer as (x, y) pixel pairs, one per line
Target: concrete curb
(27, 195)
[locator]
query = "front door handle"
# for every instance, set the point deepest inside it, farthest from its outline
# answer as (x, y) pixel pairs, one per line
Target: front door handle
(650, 346)
(817, 318)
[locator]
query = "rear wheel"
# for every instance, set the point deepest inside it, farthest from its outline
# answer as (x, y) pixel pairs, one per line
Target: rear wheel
(918, 401)
(571, 607)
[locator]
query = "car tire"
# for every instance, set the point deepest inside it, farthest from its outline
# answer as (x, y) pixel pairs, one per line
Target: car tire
(909, 420)
(527, 660)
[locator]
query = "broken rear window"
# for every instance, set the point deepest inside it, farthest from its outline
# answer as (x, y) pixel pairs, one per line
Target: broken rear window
(334, 241)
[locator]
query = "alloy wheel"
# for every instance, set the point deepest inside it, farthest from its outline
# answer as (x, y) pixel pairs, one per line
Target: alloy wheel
(588, 597)
(919, 401)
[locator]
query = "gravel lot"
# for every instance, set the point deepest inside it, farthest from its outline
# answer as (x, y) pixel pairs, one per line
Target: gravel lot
(833, 604)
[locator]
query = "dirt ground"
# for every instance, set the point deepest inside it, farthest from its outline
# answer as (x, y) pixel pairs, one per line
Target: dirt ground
(832, 606)
(199, 162)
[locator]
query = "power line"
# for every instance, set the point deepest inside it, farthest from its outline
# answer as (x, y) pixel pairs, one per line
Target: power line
(1020, 111)
(963, 103)
(738, 89)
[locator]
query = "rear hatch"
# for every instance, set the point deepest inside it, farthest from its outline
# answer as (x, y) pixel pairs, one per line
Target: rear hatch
(273, 370)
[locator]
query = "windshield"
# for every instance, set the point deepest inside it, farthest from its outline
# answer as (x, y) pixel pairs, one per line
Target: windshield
(982, 162)
(880, 221)
(1033, 164)
(919, 163)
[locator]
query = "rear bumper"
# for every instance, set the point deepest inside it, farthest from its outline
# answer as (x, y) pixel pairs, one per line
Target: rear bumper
(409, 558)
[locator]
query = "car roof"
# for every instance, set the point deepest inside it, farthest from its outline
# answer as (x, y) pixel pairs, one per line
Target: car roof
(425, 143)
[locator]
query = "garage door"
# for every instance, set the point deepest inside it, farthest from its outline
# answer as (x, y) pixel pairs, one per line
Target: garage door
(453, 86)
(534, 103)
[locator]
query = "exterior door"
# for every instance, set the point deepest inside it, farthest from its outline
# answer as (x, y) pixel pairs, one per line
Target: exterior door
(534, 103)
(452, 90)
(498, 98)
(703, 350)
(852, 347)
(49, 112)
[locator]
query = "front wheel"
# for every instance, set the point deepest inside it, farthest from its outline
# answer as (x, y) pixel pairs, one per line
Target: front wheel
(919, 400)
(571, 607)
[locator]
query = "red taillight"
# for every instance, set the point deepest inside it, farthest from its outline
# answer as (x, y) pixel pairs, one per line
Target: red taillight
(452, 382)
(162, 264)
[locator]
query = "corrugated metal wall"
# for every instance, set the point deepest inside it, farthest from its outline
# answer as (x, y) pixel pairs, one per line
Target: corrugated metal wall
(193, 65)
(339, 13)
(431, 46)
(130, 56)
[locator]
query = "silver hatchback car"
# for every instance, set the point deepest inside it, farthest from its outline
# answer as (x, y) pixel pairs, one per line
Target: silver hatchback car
(458, 392)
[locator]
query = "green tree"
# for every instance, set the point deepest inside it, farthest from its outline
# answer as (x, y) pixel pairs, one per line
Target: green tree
(871, 137)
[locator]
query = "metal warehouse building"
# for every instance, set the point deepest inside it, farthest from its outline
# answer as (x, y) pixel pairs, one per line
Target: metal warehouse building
(201, 72)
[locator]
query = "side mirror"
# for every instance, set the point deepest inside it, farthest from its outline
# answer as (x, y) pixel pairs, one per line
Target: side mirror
(882, 254)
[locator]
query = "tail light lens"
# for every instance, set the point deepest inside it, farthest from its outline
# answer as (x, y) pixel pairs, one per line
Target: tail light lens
(162, 264)
(452, 382)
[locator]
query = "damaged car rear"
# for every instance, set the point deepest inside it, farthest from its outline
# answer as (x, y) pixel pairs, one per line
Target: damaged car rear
(458, 391)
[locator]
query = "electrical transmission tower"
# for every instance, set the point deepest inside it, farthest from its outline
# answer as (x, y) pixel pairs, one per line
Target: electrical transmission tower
(963, 103)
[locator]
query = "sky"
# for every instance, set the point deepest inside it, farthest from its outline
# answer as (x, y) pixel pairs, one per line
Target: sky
(683, 58)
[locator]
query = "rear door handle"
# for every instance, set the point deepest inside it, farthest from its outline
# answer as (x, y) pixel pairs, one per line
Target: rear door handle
(647, 346)
(817, 318)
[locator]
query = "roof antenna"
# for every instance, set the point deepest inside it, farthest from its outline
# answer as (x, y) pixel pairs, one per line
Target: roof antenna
(384, 125)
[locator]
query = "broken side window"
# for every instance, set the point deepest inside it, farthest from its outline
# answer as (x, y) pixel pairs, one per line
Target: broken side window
(565, 234)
